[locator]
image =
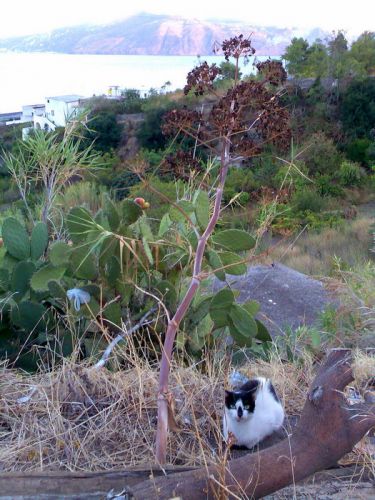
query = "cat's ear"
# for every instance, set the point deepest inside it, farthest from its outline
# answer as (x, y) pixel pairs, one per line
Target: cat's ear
(228, 397)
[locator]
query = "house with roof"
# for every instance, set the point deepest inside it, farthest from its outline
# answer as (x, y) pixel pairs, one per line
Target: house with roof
(57, 111)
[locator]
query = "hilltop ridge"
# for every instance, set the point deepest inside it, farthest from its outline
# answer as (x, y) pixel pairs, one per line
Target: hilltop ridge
(149, 34)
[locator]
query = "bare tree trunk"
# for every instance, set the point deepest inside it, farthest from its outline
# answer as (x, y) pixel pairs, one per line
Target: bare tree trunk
(328, 429)
(173, 324)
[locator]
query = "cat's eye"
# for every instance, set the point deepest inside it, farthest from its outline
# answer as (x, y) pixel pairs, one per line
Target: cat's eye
(246, 407)
(232, 407)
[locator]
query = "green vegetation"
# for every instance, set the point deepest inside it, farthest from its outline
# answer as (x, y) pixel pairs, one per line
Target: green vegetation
(99, 249)
(78, 187)
(333, 59)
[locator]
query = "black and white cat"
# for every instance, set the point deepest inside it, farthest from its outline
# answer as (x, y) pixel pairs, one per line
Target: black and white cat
(252, 412)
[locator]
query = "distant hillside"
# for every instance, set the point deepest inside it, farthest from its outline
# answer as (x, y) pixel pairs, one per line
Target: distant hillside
(145, 34)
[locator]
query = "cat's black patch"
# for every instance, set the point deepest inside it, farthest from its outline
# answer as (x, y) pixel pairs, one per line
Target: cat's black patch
(250, 385)
(230, 399)
(273, 392)
(246, 393)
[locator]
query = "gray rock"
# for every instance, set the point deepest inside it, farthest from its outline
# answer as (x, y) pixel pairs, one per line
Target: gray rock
(287, 297)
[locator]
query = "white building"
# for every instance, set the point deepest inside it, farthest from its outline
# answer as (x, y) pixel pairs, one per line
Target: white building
(56, 112)
(114, 92)
(31, 110)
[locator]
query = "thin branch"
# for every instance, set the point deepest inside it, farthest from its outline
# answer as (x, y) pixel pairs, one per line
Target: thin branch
(121, 336)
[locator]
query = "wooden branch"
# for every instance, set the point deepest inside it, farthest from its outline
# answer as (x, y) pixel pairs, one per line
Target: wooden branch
(72, 485)
(173, 324)
(328, 429)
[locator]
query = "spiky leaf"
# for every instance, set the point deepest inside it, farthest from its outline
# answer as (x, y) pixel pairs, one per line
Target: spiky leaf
(112, 313)
(56, 290)
(131, 212)
(107, 250)
(9, 262)
(147, 250)
(112, 214)
(83, 263)
(21, 277)
(39, 240)
(177, 215)
(91, 309)
(165, 224)
(145, 229)
(59, 253)
(113, 270)
(29, 316)
(234, 240)
(16, 239)
(40, 279)
(4, 280)
(80, 223)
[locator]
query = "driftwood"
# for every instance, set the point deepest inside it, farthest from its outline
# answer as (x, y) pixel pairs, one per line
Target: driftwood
(76, 485)
(328, 429)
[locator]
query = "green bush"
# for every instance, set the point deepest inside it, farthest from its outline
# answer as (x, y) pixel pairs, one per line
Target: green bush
(294, 175)
(122, 183)
(326, 185)
(265, 169)
(351, 174)
(132, 101)
(104, 130)
(239, 180)
(159, 205)
(149, 134)
(87, 194)
(358, 150)
(307, 200)
(321, 155)
(357, 109)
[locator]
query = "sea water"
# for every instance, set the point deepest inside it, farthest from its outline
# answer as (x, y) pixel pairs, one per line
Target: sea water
(28, 78)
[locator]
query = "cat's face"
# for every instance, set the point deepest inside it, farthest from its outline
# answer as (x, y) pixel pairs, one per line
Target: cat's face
(240, 405)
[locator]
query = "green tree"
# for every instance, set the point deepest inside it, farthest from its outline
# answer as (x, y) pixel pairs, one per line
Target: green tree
(338, 51)
(357, 108)
(104, 130)
(320, 155)
(132, 100)
(296, 57)
(228, 71)
(317, 59)
(363, 51)
(150, 135)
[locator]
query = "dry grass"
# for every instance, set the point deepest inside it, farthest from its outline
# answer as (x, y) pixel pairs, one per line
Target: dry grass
(80, 419)
(313, 253)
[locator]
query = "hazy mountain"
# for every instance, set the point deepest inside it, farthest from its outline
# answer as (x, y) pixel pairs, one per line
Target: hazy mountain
(155, 35)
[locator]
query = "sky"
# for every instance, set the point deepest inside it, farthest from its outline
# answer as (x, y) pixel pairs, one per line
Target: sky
(22, 17)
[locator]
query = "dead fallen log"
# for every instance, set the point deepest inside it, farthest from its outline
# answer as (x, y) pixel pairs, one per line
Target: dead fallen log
(65, 484)
(328, 429)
